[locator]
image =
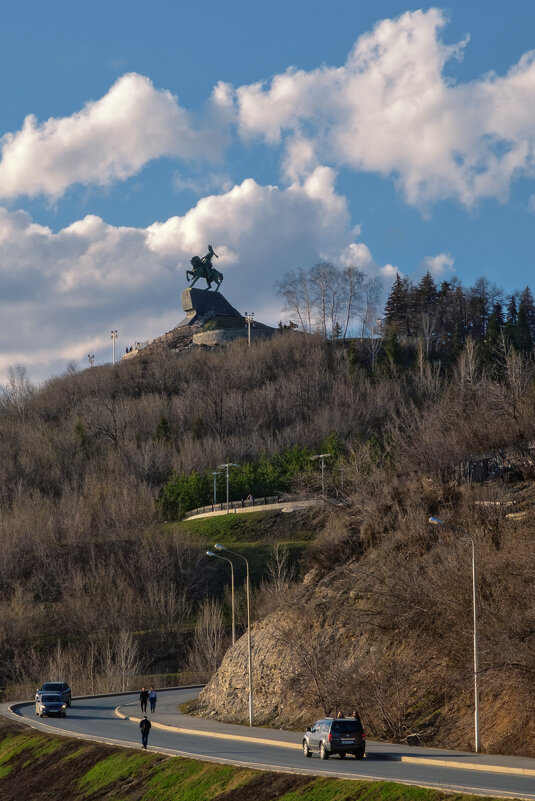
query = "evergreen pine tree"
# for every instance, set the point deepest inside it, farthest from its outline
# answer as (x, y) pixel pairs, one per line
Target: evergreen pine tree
(526, 299)
(493, 350)
(523, 338)
(397, 311)
(511, 321)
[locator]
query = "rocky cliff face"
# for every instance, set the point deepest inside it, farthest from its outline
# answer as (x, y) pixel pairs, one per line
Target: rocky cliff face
(226, 696)
(383, 624)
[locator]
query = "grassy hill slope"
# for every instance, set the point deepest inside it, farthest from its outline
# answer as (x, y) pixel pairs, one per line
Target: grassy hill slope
(41, 767)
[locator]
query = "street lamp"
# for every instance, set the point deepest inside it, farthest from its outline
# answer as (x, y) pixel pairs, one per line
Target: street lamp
(224, 558)
(436, 521)
(114, 337)
(249, 646)
(249, 318)
(322, 456)
(215, 475)
(227, 466)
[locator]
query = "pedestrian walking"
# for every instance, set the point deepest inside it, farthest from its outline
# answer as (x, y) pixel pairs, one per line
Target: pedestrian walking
(143, 698)
(152, 699)
(144, 725)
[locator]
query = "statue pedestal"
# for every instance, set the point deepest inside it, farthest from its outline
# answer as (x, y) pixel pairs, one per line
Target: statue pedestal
(204, 303)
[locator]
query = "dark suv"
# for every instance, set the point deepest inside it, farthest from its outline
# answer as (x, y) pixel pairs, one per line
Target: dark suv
(60, 687)
(335, 736)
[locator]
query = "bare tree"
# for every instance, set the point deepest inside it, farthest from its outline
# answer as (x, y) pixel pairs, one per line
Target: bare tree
(354, 282)
(294, 288)
(18, 390)
(207, 650)
(126, 657)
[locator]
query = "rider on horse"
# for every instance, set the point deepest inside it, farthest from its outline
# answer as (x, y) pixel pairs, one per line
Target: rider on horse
(202, 268)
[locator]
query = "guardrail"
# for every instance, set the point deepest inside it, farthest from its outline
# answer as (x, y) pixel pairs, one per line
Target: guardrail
(243, 504)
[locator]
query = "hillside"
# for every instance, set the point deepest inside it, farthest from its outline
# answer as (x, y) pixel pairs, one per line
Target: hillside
(383, 622)
(95, 585)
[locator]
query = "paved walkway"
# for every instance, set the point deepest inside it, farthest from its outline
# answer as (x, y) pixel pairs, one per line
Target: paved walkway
(282, 506)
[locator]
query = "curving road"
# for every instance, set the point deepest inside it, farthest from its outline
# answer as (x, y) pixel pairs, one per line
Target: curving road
(176, 734)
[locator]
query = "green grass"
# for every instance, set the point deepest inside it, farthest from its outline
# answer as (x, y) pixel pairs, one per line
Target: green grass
(126, 774)
(231, 528)
(115, 768)
(193, 781)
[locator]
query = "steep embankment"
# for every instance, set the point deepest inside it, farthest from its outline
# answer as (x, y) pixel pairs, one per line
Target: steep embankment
(383, 621)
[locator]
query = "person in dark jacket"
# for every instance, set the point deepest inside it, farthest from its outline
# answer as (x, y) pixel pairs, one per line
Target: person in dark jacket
(144, 725)
(143, 698)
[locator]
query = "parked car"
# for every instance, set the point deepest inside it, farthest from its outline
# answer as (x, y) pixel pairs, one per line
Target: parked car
(50, 704)
(60, 687)
(335, 736)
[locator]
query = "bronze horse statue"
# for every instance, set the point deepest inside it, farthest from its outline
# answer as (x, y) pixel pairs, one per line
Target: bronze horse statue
(202, 268)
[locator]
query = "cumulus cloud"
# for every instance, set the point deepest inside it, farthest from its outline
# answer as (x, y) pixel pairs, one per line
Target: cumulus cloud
(108, 140)
(391, 109)
(73, 286)
(439, 265)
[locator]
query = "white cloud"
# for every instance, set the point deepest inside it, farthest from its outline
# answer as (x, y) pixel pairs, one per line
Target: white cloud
(108, 140)
(61, 293)
(391, 109)
(439, 265)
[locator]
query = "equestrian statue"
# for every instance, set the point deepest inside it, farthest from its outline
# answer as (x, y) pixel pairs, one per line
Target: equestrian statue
(202, 268)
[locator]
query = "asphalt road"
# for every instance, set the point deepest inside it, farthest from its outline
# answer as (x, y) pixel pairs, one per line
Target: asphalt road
(96, 718)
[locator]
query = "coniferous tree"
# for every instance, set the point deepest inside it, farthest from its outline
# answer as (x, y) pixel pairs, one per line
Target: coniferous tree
(426, 294)
(523, 338)
(481, 298)
(528, 304)
(451, 305)
(493, 348)
(397, 308)
(511, 321)
(424, 299)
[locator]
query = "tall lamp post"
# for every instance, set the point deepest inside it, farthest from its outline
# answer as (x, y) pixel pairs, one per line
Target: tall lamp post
(436, 521)
(249, 319)
(249, 646)
(114, 338)
(227, 467)
(224, 558)
(322, 457)
(215, 474)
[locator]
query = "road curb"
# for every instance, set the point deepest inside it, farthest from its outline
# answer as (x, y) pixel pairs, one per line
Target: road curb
(430, 761)
(217, 735)
(450, 763)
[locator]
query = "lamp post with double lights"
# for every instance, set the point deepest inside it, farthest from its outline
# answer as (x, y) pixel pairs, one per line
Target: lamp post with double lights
(219, 547)
(436, 521)
(114, 339)
(249, 319)
(215, 474)
(224, 558)
(322, 457)
(227, 467)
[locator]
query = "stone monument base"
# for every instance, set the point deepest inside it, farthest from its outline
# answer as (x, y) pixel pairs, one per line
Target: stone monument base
(201, 305)
(210, 320)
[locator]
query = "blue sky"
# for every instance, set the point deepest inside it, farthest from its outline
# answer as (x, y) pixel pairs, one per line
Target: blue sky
(389, 136)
